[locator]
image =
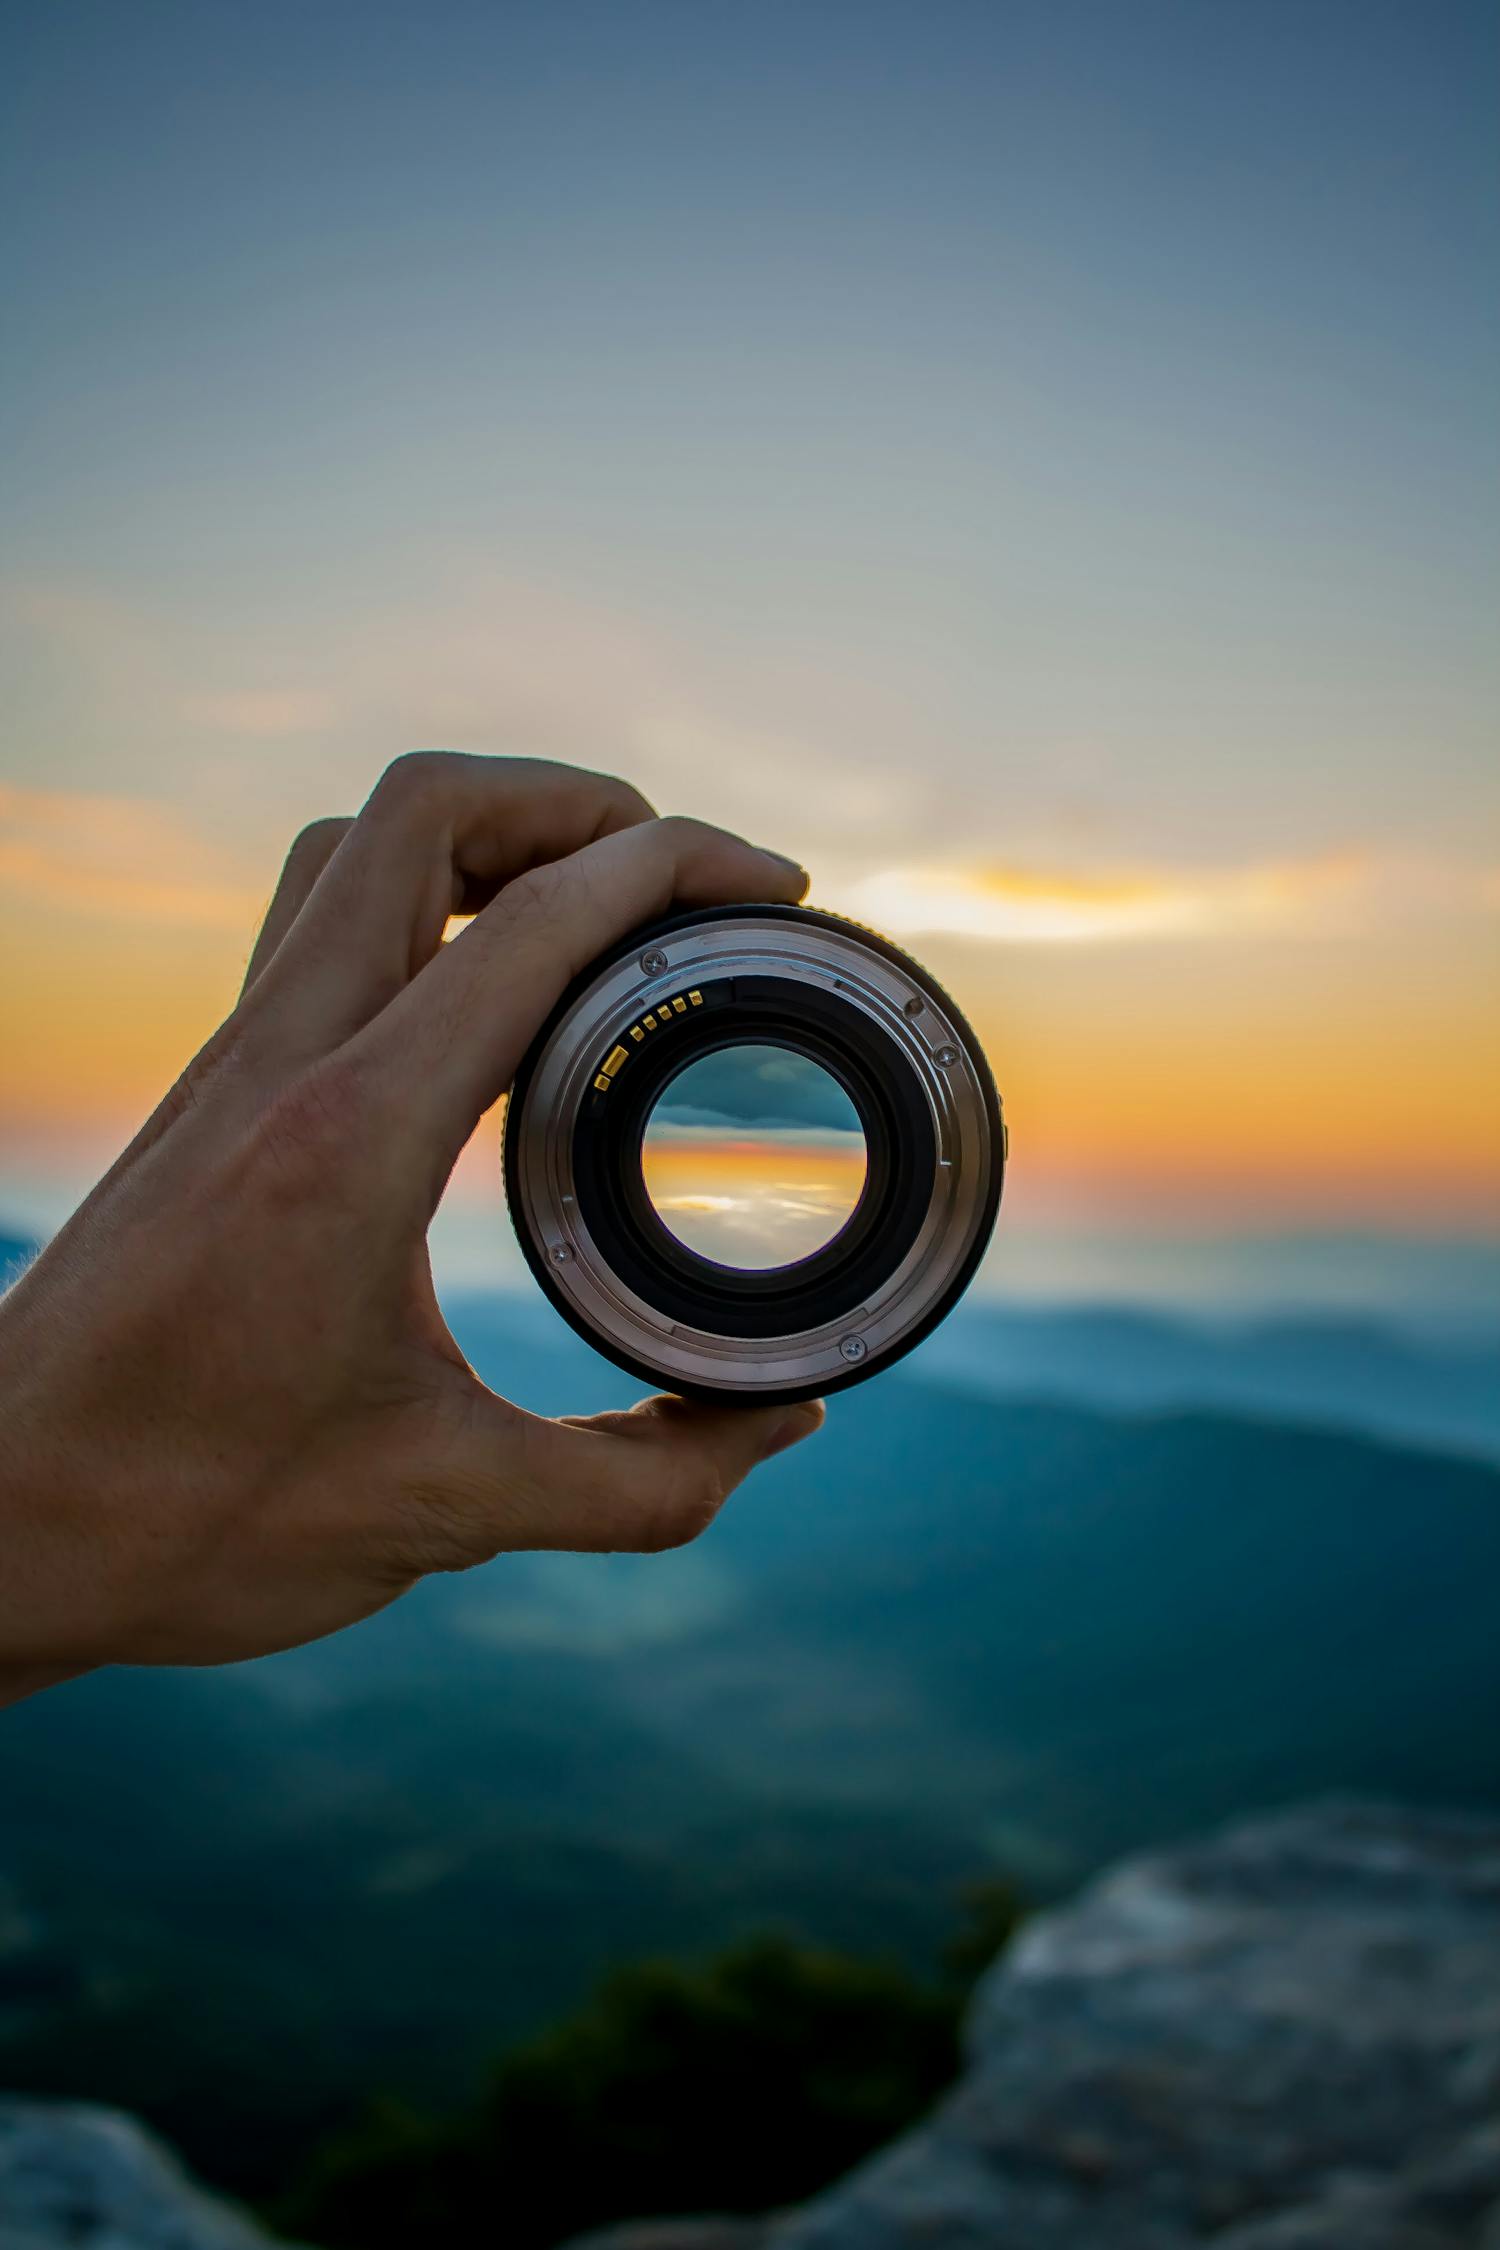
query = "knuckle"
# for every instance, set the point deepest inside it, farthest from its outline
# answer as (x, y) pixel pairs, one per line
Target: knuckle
(415, 779)
(622, 799)
(318, 840)
(678, 838)
(619, 802)
(315, 844)
(676, 830)
(540, 893)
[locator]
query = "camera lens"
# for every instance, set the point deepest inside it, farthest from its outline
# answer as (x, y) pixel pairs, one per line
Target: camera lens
(754, 1153)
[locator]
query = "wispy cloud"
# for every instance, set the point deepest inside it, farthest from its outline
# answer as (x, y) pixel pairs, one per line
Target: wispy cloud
(264, 715)
(1022, 905)
(119, 855)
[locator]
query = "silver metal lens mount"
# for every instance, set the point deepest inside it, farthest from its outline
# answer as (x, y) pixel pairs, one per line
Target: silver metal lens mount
(694, 986)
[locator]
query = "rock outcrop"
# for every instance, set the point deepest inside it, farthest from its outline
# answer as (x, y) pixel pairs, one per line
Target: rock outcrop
(1286, 2037)
(78, 2178)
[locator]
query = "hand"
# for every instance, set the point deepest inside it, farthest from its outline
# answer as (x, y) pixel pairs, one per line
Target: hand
(232, 1417)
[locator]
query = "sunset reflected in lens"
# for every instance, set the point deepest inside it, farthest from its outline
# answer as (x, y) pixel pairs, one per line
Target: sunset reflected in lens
(754, 1157)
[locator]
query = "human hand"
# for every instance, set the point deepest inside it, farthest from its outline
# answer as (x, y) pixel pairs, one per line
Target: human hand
(232, 1417)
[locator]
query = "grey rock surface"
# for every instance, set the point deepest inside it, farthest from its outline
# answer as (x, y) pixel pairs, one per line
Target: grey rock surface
(1285, 2037)
(74, 2177)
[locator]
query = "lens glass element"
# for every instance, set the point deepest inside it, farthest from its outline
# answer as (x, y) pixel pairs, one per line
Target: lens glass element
(753, 1157)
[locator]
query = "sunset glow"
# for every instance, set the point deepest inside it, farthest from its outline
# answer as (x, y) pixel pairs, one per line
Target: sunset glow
(1019, 905)
(1083, 562)
(1277, 1074)
(754, 1200)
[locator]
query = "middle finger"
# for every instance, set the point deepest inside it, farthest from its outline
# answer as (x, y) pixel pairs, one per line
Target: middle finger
(439, 833)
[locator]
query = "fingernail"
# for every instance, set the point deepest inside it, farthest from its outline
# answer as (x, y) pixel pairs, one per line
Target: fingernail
(793, 1427)
(783, 860)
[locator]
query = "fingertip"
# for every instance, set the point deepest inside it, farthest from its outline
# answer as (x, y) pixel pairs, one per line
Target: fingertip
(791, 875)
(792, 1427)
(748, 1433)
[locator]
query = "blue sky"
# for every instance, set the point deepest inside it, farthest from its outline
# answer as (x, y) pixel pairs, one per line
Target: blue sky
(1078, 358)
(1036, 462)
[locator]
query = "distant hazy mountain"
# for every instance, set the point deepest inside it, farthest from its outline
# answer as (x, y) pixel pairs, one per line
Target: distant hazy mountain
(1416, 1386)
(1098, 1630)
(1358, 1374)
(952, 1633)
(1335, 1373)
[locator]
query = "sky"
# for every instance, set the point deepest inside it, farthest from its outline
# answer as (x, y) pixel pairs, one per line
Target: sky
(754, 1156)
(1036, 463)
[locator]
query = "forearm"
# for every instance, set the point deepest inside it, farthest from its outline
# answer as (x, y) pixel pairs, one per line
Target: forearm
(52, 1491)
(32, 1629)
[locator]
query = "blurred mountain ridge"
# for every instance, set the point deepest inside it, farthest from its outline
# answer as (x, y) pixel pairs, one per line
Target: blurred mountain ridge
(962, 1631)
(1334, 1370)
(1432, 1385)
(952, 1635)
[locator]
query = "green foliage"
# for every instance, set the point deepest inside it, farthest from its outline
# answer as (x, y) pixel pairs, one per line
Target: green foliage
(735, 2086)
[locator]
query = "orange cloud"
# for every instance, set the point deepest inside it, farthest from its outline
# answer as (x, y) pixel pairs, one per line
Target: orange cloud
(1301, 1080)
(120, 856)
(1019, 905)
(1347, 892)
(753, 1199)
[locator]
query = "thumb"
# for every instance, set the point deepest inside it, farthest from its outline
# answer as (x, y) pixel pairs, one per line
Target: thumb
(619, 1483)
(675, 1461)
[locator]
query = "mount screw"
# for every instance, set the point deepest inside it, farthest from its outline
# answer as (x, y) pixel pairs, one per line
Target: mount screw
(853, 1348)
(946, 1057)
(653, 963)
(914, 1006)
(560, 1254)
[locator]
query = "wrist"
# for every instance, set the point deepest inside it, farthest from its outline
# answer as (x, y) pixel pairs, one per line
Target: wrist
(55, 1608)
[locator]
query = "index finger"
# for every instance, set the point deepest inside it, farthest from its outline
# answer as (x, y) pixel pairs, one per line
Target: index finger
(440, 833)
(451, 1041)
